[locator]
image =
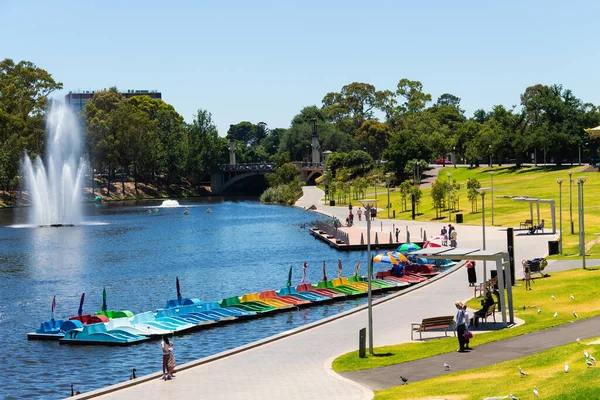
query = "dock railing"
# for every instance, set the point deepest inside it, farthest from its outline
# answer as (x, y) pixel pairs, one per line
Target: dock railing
(332, 230)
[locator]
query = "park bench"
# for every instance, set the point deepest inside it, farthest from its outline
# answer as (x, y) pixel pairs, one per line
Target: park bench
(527, 224)
(491, 311)
(431, 324)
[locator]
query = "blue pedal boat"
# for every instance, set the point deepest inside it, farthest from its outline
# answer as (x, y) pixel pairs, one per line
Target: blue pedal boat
(98, 334)
(53, 329)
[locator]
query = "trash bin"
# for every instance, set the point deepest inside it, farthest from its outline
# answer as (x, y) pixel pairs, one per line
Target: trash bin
(493, 274)
(553, 247)
(459, 218)
(332, 203)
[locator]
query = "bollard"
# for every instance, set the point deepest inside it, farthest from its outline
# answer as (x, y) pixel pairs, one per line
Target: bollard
(424, 236)
(362, 342)
(362, 239)
(391, 238)
(381, 226)
(376, 240)
(394, 214)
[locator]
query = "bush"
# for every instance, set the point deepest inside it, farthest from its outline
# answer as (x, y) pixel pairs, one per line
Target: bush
(282, 194)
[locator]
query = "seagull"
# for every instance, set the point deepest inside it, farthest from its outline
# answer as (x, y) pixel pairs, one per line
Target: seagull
(511, 397)
(586, 354)
(572, 297)
(553, 298)
(578, 340)
(404, 380)
(566, 367)
(535, 392)
(447, 367)
(555, 314)
(575, 314)
(589, 363)
(522, 373)
(496, 398)
(592, 358)
(539, 310)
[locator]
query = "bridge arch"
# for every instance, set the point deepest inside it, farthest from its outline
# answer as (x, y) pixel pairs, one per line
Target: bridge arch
(245, 176)
(310, 179)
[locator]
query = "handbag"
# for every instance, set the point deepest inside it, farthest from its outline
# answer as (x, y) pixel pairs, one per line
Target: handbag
(468, 334)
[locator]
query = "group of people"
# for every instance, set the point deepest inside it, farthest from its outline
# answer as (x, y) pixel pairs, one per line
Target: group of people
(450, 232)
(463, 322)
(359, 212)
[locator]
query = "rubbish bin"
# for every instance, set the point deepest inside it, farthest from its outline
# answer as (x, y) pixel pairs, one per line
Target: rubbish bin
(552, 247)
(332, 203)
(459, 218)
(493, 274)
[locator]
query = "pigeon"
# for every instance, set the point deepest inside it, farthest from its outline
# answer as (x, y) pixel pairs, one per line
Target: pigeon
(447, 367)
(575, 314)
(572, 297)
(555, 314)
(566, 367)
(578, 340)
(592, 358)
(535, 392)
(404, 380)
(511, 397)
(522, 373)
(539, 310)
(586, 354)
(553, 298)
(589, 363)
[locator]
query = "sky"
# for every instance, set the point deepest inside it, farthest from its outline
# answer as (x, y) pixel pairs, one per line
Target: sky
(263, 61)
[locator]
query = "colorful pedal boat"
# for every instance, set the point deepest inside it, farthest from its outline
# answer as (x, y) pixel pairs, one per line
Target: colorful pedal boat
(327, 293)
(110, 314)
(347, 290)
(53, 329)
(186, 314)
(421, 269)
(302, 295)
(211, 309)
(275, 302)
(125, 324)
(87, 319)
(98, 334)
(148, 318)
(291, 300)
(255, 306)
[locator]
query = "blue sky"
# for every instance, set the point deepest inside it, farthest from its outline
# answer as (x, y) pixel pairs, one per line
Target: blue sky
(266, 60)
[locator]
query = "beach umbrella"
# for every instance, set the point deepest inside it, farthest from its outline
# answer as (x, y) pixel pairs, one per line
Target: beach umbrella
(53, 308)
(304, 272)
(289, 281)
(178, 288)
(339, 268)
(324, 271)
(104, 300)
(407, 247)
(357, 268)
(80, 311)
(391, 257)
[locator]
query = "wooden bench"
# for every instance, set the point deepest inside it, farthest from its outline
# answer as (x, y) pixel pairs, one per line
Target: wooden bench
(527, 224)
(430, 324)
(491, 311)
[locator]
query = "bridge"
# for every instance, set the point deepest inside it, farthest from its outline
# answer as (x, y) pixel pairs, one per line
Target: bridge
(250, 178)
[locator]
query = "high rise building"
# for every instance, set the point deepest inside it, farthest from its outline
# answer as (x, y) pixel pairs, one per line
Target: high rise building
(78, 99)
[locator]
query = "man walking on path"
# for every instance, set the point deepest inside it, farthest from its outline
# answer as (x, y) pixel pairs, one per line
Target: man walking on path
(397, 234)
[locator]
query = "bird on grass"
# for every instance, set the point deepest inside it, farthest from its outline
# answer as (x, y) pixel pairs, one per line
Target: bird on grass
(404, 380)
(589, 363)
(74, 392)
(539, 310)
(132, 376)
(575, 314)
(555, 314)
(566, 367)
(522, 373)
(447, 367)
(535, 392)
(552, 297)
(591, 357)
(511, 397)
(586, 354)
(572, 297)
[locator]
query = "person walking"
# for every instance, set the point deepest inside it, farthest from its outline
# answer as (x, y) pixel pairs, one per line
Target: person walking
(471, 272)
(453, 236)
(359, 212)
(461, 326)
(444, 234)
(468, 335)
(165, 345)
(397, 235)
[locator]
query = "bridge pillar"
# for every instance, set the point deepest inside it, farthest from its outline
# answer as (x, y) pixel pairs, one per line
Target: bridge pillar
(232, 151)
(216, 182)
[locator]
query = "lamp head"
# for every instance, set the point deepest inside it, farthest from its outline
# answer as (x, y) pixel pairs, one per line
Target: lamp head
(368, 203)
(482, 191)
(582, 179)
(559, 180)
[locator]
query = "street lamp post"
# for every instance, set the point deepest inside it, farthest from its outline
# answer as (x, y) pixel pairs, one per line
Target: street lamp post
(449, 189)
(580, 182)
(560, 239)
(454, 150)
(368, 204)
(482, 192)
(490, 148)
(387, 182)
(571, 202)
(492, 176)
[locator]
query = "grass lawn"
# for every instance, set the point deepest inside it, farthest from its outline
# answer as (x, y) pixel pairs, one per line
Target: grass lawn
(584, 285)
(545, 369)
(537, 182)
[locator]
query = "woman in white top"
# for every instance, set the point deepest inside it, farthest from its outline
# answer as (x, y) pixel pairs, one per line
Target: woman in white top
(165, 345)
(461, 326)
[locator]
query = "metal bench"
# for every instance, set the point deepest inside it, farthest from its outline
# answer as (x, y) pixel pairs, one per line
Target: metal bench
(527, 224)
(431, 324)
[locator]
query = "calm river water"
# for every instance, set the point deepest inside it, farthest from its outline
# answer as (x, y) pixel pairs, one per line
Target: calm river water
(242, 246)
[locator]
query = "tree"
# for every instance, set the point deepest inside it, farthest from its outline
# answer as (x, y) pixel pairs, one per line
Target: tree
(415, 98)
(472, 193)
(283, 175)
(449, 100)
(373, 136)
(248, 133)
(205, 147)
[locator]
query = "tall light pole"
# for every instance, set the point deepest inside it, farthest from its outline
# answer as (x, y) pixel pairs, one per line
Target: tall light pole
(368, 204)
(449, 190)
(490, 148)
(388, 176)
(580, 182)
(571, 202)
(482, 193)
(560, 239)
(454, 150)
(492, 176)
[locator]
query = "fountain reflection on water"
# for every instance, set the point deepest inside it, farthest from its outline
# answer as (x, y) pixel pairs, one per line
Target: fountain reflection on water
(54, 187)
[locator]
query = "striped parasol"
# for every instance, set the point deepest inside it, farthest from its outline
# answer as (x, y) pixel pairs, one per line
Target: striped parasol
(391, 257)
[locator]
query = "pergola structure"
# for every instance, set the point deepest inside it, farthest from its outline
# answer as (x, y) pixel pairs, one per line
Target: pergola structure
(500, 257)
(532, 201)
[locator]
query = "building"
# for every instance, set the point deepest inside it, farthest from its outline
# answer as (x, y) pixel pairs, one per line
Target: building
(78, 99)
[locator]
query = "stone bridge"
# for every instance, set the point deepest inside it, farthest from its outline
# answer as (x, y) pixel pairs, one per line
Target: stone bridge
(249, 178)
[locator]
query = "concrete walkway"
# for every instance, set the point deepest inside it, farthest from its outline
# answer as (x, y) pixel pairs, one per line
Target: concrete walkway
(298, 366)
(480, 356)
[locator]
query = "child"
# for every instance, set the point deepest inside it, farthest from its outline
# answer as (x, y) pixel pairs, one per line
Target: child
(467, 323)
(527, 278)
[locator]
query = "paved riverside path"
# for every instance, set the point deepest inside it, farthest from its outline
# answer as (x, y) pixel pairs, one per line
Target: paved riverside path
(297, 366)
(480, 356)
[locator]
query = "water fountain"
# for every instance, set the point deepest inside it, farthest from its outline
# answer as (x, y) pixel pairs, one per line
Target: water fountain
(54, 187)
(169, 203)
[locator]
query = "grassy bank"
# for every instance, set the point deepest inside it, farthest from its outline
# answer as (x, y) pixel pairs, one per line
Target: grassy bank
(584, 285)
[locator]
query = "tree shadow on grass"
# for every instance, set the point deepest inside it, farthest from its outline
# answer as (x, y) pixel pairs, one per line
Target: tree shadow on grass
(383, 354)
